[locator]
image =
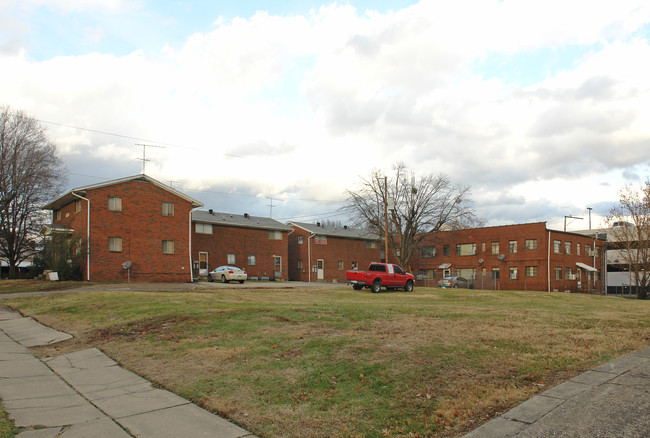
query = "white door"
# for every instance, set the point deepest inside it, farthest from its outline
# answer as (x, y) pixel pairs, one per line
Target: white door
(277, 267)
(320, 271)
(203, 264)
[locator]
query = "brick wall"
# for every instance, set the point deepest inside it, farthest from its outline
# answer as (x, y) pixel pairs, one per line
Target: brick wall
(337, 256)
(536, 259)
(242, 242)
(142, 228)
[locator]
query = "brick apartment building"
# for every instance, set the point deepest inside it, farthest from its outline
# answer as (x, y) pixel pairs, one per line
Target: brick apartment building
(134, 219)
(513, 257)
(256, 244)
(325, 253)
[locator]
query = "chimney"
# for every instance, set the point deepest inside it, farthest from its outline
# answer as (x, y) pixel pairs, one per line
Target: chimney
(318, 224)
(211, 211)
(246, 215)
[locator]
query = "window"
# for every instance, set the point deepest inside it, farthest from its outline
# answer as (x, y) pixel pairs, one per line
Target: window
(168, 247)
(495, 247)
(469, 273)
(465, 249)
(299, 264)
(427, 251)
(339, 265)
(445, 250)
(300, 240)
(514, 273)
(355, 265)
(567, 273)
(558, 273)
(483, 247)
(512, 247)
(495, 273)
(320, 240)
(114, 203)
(167, 209)
(530, 244)
(577, 249)
(58, 215)
(203, 228)
(377, 267)
(556, 246)
(115, 244)
(372, 244)
(77, 206)
(275, 235)
(567, 247)
(231, 259)
(251, 260)
(398, 270)
(588, 250)
(531, 271)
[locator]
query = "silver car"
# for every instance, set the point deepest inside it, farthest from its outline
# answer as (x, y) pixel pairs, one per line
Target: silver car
(226, 274)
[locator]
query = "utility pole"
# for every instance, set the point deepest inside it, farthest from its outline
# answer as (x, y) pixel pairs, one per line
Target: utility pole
(570, 217)
(386, 217)
(270, 207)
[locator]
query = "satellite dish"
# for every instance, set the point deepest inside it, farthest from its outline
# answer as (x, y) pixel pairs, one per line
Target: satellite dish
(126, 265)
(501, 257)
(480, 261)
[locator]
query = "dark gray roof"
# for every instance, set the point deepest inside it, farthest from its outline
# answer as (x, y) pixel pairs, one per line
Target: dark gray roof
(345, 232)
(238, 220)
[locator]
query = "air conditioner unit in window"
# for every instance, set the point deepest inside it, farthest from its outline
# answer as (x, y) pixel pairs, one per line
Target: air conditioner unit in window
(572, 277)
(591, 253)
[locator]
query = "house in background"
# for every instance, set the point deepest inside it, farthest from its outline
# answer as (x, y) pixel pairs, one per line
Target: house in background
(256, 244)
(135, 219)
(513, 257)
(325, 253)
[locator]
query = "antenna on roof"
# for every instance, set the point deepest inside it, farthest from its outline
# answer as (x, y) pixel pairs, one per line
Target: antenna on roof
(144, 150)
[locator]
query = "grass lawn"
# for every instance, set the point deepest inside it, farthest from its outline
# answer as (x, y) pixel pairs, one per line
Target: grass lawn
(333, 362)
(7, 429)
(14, 286)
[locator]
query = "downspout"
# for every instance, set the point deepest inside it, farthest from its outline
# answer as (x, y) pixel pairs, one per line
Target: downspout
(309, 255)
(190, 247)
(548, 262)
(87, 236)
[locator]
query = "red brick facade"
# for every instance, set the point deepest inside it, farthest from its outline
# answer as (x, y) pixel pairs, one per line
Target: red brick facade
(324, 254)
(250, 245)
(136, 229)
(512, 257)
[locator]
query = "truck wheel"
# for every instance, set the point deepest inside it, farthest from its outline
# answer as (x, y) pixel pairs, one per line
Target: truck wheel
(376, 286)
(357, 287)
(408, 287)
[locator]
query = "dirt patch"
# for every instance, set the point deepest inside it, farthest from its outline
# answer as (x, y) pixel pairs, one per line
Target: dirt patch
(163, 327)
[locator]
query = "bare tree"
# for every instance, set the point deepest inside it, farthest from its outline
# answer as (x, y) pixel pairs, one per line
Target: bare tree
(422, 206)
(31, 173)
(629, 233)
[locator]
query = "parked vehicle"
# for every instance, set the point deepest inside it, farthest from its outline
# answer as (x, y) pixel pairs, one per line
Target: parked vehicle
(455, 282)
(226, 274)
(381, 275)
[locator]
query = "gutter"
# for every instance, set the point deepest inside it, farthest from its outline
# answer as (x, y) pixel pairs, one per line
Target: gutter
(548, 263)
(87, 236)
(190, 246)
(309, 255)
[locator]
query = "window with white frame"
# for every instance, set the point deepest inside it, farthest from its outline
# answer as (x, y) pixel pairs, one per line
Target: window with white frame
(299, 264)
(512, 247)
(115, 244)
(114, 203)
(58, 215)
(77, 206)
(468, 273)
(557, 246)
(372, 244)
(320, 240)
(339, 265)
(168, 247)
(567, 247)
(465, 249)
(495, 273)
(530, 244)
(514, 273)
(203, 228)
(167, 209)
(577, 249)
(531, 271)
(231, 259)
(567, 273)
(301, 239)
(275, 235)
(495, 247)
(558, 273)
(251, 260)
(427, 251)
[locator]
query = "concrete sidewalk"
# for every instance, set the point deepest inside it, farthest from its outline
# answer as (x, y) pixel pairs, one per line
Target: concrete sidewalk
(87, 394)
(612, 400)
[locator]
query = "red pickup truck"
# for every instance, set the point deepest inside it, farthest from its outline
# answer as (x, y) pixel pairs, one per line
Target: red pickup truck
(381, 275)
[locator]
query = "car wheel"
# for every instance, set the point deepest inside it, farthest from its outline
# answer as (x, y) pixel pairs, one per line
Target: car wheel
(408, 287)
(376, 286)
(456, 285)
(223, 279)
(357, 287)
(210, 278)
(241, 281)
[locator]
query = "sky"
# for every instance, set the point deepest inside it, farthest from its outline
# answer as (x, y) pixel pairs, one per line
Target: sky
(277, 108)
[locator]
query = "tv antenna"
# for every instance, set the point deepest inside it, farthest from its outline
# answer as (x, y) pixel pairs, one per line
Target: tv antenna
(144, 153)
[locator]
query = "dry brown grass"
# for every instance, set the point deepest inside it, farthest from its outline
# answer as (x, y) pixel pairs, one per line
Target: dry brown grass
(338, 363)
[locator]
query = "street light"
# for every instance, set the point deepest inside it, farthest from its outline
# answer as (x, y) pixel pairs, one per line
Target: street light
(570, 217)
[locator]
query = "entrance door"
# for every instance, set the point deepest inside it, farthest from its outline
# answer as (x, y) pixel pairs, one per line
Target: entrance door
(320, 271)
(277, 267)
(203, 264)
